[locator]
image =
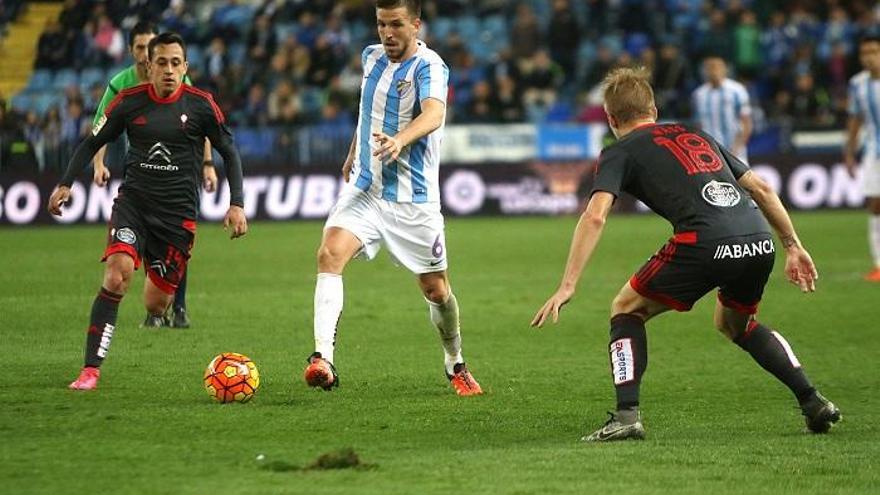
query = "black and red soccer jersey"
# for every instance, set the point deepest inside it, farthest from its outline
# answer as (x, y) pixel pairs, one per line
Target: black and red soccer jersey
(684, 176)
(163, 164)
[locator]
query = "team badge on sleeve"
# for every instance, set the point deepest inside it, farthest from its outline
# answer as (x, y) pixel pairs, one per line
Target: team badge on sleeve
(99, 125)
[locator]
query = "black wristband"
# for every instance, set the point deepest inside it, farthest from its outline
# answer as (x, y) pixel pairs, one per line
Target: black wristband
(208, 163)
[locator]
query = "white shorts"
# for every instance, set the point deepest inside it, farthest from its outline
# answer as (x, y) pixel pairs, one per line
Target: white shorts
(871, 178)
(413, 233)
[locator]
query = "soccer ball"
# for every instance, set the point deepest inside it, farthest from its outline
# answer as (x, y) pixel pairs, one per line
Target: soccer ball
(231, 377)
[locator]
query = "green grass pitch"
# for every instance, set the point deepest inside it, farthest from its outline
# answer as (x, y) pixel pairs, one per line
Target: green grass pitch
(716, 422)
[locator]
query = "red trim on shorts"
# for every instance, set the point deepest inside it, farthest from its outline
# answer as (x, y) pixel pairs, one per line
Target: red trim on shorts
(161, 283)
(189, 225)
(685, 237)
(746, 309)
(663, 256)
(656, 296)
(173, 97)
(121, 247)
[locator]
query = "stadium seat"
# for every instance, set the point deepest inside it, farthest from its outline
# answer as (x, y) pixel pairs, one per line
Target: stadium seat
(91, 76)
(195, 55)
(285, 29)
(40, 79)
(64, 78)
(21, 102)
(45, 100)
(440, 28)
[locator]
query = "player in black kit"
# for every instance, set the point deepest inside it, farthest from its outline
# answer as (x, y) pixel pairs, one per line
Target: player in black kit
(720, 240)
(153, 219)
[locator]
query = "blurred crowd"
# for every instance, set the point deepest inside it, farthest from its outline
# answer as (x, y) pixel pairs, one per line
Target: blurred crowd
(297, 62)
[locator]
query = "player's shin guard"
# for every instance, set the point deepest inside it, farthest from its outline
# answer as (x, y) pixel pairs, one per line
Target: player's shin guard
(180, 293)
(629, 358)
(328, 308)
(444, 316)
(101, 326)
(773, 353)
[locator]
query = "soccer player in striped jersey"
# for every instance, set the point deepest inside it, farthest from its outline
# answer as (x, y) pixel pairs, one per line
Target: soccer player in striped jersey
(864, 113)
(391, 194)
(138, 39)
(721, 107)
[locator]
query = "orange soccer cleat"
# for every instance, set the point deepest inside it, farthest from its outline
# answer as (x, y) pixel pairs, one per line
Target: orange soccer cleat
(463, 382)
(873, 275)
(87, 380)
(321, 373)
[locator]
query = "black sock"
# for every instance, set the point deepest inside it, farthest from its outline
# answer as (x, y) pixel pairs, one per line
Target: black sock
(774, 354)
(629, 358)
(101, 326)
(180, 293)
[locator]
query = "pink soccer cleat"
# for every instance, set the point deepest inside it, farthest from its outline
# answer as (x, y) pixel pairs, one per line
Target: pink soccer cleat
(87, 380)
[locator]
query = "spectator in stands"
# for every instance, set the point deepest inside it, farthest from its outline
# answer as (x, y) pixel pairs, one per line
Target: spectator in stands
(52, 50)
(350, 80)
(284, 104)
(602, 65)
(262, 42)
(481, 109)
(671, 79)
(747, 44)
(300, 61)
(508, 101)
(256, 111)
(109, 41)
(563, 37)
(216, 58)
(541, 80)
(75, 125)
(525, 32)
(324, 63)
(178, 19)
(54, 160)
(33, 133)
(810, 106)
(717, 38)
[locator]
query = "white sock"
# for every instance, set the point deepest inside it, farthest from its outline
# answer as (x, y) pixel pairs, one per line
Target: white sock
(445, 317)
(874, 238)
(328, 307)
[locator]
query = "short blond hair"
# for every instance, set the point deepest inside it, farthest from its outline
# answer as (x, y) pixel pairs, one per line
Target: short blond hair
(628, 94)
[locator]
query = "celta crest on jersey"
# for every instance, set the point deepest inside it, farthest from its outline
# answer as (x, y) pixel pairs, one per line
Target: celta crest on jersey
(721, 194)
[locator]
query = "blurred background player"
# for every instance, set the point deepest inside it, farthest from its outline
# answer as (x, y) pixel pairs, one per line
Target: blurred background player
(154, 214)
(864, 111)
(720, 241)
(391, 194)
(138, 39)
(721, 108)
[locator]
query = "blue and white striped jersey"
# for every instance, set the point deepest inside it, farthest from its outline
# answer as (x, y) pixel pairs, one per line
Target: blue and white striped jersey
(719, 111)
(864, 102)
(391, 96)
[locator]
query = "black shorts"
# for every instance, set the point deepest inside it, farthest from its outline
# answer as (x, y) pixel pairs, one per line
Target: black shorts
(685, 269)
(162, 242)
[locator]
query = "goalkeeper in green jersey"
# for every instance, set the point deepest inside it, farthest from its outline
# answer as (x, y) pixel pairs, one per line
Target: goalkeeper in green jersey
(138, 39)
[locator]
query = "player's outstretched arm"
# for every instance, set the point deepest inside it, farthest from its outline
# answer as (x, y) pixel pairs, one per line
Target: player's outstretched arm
(583, 244)
(102, 173)
(209, 173)
(389, 147)
(799, 267)
(852, 144)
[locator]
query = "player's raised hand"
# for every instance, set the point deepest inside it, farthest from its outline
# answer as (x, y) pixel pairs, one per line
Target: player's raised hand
(389, 148)
(800, 269)
(552, 307)
(209, 177)
(58, 198)
(235, 219)
(102, 175)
